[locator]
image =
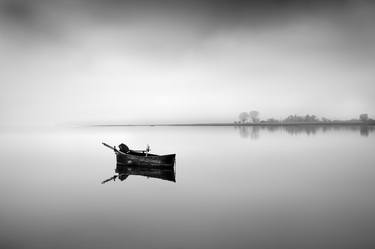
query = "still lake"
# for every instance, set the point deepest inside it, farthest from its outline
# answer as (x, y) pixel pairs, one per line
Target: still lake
(244, 187)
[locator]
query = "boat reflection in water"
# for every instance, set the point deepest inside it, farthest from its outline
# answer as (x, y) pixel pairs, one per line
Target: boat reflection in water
(123, 172)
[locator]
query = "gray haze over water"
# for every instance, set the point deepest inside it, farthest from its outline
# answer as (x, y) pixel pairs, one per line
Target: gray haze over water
(257, 187)
(183, 61)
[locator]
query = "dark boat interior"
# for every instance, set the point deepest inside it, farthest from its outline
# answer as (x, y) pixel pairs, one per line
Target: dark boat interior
(135, 153)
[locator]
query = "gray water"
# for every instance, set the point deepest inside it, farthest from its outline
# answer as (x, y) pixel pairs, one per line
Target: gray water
(246, 187)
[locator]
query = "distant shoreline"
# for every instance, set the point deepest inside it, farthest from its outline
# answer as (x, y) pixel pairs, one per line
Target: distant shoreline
(339, 123)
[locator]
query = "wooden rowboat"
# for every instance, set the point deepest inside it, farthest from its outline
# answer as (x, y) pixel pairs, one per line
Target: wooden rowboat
(141, 158)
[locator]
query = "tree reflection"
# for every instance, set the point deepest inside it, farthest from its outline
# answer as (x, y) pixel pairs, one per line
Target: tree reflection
(253, 131)
(364, 131)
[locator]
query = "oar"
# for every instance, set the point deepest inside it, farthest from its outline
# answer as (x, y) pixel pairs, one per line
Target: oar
(109, 146)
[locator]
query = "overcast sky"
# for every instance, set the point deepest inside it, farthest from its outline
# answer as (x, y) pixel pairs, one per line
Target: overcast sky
(82, 61)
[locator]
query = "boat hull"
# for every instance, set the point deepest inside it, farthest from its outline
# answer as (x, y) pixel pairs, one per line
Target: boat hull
(145, 161)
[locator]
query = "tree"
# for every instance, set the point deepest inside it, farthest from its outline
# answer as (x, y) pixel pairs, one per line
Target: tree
(311, 118)
(272, 120)
(301, 119)
(363, 117)
(244, 116)
(254, 115)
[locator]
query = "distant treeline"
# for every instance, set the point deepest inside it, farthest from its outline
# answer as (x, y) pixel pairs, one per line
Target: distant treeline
(252, 117)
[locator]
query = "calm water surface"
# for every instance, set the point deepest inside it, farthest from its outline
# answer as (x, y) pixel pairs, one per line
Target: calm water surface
(235, 188)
